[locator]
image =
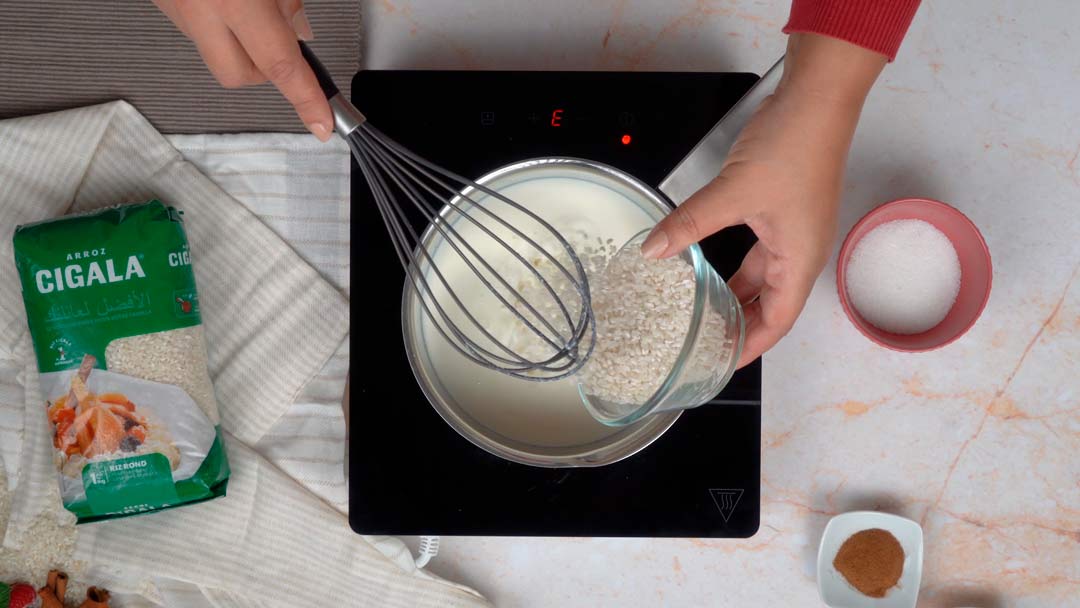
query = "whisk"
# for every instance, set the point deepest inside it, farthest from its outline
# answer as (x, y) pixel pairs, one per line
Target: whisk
(476, 239)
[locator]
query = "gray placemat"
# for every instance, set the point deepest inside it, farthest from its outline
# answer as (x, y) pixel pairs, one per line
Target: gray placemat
(60, 54)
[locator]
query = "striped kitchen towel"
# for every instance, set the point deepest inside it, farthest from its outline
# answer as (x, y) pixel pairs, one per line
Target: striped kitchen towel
(60, 54)
(273, 324)
(299, 187)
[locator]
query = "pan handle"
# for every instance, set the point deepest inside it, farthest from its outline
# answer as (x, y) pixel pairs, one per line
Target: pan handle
(705, 160)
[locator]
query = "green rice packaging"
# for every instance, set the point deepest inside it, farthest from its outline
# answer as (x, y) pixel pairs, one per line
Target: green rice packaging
(114, 316)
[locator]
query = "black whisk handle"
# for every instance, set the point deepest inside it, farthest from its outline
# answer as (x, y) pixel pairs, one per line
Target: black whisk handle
(321, 73)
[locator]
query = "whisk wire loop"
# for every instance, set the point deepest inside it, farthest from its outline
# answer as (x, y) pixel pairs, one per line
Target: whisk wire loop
(444, 199)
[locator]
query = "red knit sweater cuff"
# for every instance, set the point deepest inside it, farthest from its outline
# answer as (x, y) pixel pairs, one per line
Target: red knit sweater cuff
(878, 25)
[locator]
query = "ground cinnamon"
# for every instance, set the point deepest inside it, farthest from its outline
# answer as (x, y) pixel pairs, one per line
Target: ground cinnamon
(871, 561)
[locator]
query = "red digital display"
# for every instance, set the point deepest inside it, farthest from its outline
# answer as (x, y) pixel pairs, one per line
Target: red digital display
(556, 118)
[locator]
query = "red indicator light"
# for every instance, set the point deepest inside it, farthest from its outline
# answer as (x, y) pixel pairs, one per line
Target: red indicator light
(556, 118)
(625, 139)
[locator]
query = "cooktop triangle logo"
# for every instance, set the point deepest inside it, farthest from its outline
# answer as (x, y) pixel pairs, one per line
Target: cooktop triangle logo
(726, 500)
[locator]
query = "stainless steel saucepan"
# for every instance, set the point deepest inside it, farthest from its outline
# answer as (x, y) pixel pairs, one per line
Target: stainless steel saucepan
(603, 445)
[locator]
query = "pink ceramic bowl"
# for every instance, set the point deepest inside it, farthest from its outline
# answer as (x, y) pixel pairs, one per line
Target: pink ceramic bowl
(975, 278)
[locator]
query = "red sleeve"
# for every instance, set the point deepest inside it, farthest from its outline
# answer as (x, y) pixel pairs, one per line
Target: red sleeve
(878, 25)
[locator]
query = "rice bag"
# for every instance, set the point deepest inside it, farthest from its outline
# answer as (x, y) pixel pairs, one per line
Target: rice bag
(114, 317)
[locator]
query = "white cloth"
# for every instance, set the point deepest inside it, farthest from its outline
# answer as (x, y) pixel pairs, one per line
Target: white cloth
(272, 324)
(299, 187)
(295, 184)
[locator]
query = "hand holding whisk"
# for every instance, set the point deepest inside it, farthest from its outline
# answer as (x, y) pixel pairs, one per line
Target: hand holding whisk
(485, 258)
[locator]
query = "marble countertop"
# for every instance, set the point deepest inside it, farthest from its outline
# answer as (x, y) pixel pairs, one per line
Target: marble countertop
(980, 441)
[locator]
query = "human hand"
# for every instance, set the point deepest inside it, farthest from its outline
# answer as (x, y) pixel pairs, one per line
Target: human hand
(782, 178)
(247, 42)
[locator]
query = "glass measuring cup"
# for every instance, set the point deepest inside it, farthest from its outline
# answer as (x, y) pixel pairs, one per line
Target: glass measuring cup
(708, 356)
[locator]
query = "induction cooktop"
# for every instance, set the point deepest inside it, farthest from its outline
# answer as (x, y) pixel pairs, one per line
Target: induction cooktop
(410, 473)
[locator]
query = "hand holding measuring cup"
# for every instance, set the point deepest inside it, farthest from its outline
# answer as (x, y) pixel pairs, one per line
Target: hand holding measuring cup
(782, 178)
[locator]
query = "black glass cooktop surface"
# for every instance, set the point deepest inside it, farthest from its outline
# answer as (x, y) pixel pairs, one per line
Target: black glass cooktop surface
(410, 472)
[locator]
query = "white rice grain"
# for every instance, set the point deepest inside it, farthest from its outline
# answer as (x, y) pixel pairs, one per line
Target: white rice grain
(46, 543)
(643, 310)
